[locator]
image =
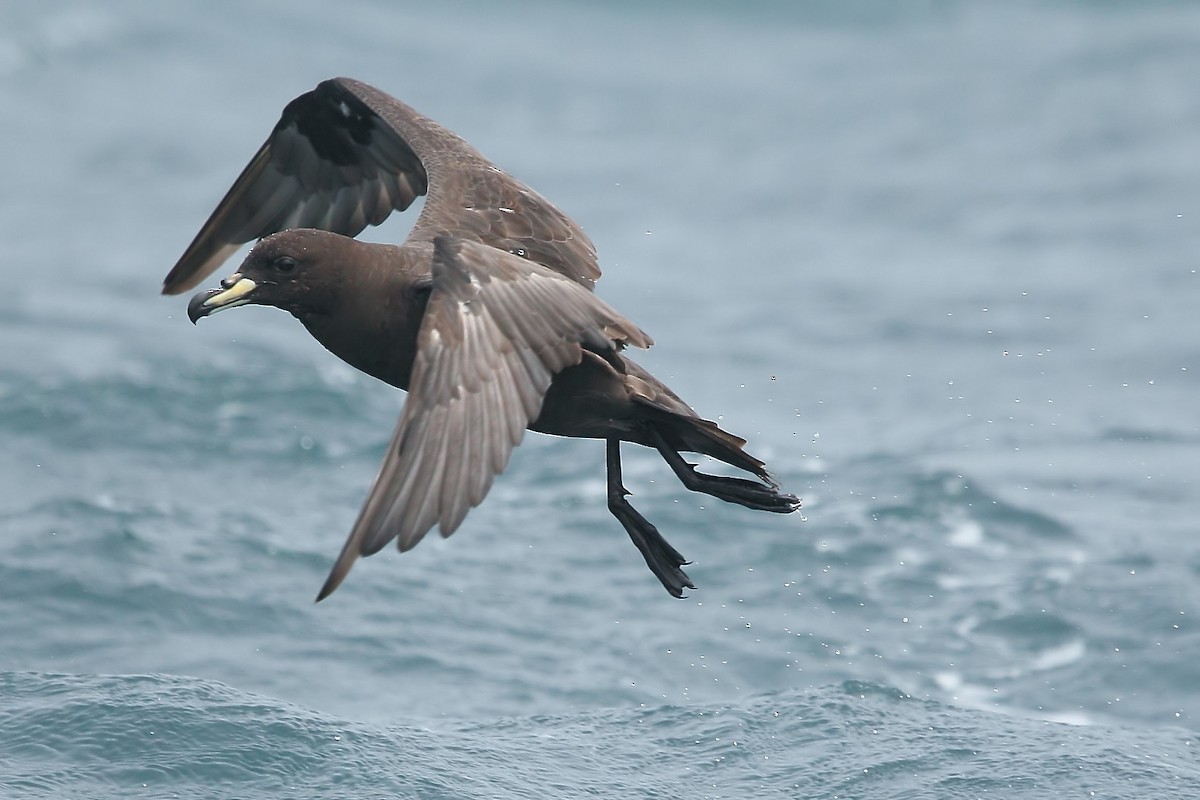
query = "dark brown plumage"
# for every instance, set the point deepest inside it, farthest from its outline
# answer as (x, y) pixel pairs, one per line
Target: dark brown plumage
(485, 315)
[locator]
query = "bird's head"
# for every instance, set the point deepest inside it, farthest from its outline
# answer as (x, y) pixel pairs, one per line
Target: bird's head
(291, 270)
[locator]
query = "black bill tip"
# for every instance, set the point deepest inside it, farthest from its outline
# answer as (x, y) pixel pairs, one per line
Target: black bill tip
(197, 309)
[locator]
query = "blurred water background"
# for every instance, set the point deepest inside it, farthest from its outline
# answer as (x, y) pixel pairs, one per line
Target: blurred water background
(936, 261)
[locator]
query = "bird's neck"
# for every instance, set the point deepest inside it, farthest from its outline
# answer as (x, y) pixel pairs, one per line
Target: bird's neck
(375, 327)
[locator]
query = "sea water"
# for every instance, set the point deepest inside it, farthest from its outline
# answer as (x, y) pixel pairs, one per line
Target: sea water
(936, 262)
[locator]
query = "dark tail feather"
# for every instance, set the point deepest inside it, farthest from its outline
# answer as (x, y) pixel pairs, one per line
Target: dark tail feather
(764, 496)
(697, 435)
(674, 426)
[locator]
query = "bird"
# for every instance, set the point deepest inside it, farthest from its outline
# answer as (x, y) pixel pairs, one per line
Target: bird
(485, 315)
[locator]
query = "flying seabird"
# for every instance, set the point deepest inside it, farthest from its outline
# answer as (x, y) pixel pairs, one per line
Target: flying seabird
(485, 315)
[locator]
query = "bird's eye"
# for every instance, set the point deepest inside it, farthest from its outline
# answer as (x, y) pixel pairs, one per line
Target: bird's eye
(285, 264)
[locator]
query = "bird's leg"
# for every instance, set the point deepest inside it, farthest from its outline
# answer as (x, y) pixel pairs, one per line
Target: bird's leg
(664, 561)
(751, 494)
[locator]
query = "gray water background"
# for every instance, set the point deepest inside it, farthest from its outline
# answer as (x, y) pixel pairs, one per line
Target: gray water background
(936, 261)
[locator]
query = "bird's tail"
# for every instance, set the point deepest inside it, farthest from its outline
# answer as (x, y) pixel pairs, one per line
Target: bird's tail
(694, 434)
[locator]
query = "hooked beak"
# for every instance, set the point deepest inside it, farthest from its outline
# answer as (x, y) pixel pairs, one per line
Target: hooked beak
(235, 291)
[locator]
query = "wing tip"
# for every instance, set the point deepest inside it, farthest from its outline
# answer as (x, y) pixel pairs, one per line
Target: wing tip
(180, 279)
(338, 574)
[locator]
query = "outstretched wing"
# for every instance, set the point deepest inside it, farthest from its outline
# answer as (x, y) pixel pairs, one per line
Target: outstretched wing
(345, 155)
(496, 330)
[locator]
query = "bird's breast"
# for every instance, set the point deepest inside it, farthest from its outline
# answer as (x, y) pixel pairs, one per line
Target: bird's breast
(383, 345)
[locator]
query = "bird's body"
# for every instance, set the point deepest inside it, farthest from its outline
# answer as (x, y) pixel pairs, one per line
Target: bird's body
(485, 315)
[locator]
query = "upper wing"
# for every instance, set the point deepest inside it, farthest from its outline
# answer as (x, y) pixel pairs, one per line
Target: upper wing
(495, 331)
(345, 155)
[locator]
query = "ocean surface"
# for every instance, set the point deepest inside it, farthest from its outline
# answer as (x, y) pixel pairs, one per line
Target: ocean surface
(936, 261)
